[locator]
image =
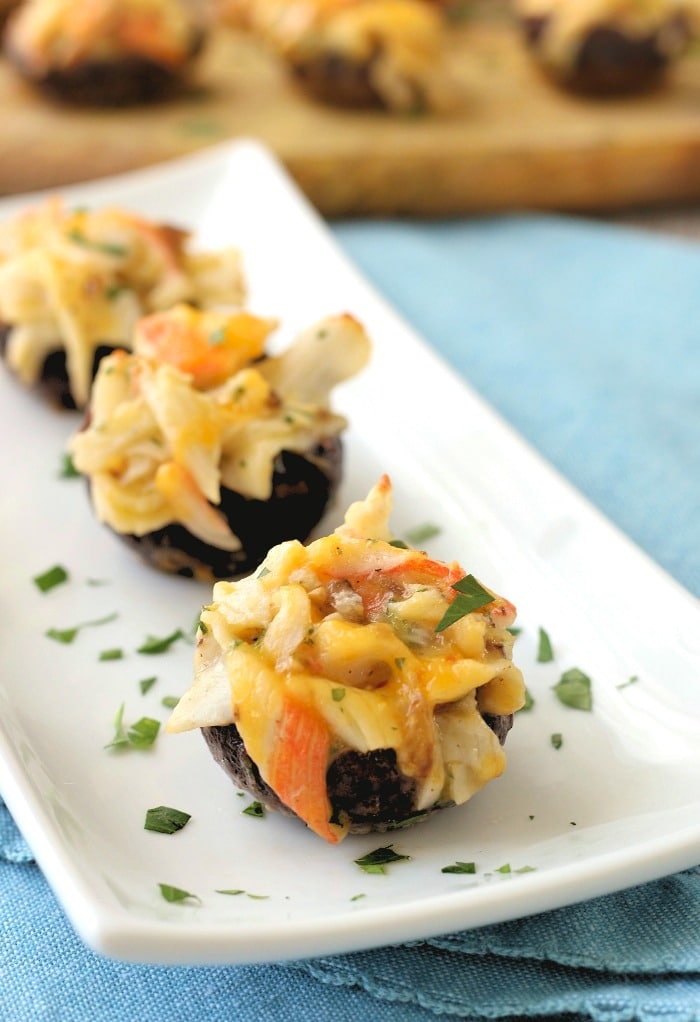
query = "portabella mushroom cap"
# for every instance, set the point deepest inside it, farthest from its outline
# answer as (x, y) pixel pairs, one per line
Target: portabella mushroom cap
(303, 486)
(367, 789)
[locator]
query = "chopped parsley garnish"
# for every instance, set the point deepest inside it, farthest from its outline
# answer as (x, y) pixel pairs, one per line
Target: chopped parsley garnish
(460, 867)
(165, 820)
(630, 681)
(421, 533)
(574, 689)
(545, 653)
(557, 740)
(217, 336)
(256, 809)
(153, 644)
(67, 469)
(337, 694)
(51, 578)
(147, 683)
(357, 897)
(379, 859)
(170, 702)
(67, 635)
(239, 890)
(99, 246)
(176, 894)
(140, 735)
(522, 869)
(111, 654)
(529, 702)
(471, 595)
(514, 630)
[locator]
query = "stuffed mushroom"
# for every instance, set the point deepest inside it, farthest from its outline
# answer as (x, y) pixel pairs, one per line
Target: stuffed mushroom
(605, 47)
(202, 452)
(105, 52)
(390, 54)
(74, 282)
(355, 683)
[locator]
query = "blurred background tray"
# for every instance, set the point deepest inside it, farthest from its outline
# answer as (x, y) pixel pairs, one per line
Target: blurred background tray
(517, 142)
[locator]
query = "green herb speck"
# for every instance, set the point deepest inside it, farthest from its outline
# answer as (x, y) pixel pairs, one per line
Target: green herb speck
(50, 579)
(256, 809)
(111, 654)
(176, 894)
(460, 867)
(165, 820)
(471, 595)
(379, 859)
(545, 653)
(574, 689)
(153, 644)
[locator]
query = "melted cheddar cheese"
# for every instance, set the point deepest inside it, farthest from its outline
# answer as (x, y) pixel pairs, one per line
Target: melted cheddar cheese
(198, 407)
(61, 34)
(346, 628)
(570, 21)
(399, 44)
(76, 279)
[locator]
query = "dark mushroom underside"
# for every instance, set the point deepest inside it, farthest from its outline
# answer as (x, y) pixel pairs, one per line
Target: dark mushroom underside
(368, 789)
(302, 488)
(53, 380)
(608, 61)
(128, 81)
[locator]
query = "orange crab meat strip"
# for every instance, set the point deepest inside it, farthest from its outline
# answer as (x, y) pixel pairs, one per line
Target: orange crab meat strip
(209, 346)
(298, 765)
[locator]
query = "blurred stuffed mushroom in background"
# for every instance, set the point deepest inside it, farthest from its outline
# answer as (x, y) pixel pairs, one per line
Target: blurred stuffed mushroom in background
(387, 54)
(606, 47)
(105, 52)
(202, 452)
(74, 282)
(355, 683)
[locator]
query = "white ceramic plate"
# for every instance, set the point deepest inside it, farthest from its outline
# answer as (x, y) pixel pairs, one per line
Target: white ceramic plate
(617, 804)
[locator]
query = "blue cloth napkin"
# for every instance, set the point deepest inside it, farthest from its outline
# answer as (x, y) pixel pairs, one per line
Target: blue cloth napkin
(584, 337)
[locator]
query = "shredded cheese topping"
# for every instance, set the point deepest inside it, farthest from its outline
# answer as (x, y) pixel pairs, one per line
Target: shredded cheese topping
(61, 34)
(76, 279)
(401, 43)
(198, 407)
(346, 628)
(569, 21)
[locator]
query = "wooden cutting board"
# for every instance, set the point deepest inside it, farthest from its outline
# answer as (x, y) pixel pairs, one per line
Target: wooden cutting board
(515, 142)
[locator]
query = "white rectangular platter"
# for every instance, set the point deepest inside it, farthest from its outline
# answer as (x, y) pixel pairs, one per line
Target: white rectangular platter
(617, 804)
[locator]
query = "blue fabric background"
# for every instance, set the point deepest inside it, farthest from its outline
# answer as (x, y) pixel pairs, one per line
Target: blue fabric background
(586, 338)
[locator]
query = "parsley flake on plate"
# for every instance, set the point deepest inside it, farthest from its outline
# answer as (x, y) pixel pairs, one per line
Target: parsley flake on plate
(153, 644)
(545, 653)
(460, 867)
(147, 683)
(50, 579)
(140, 735)
(176, 895)
(529, 702)
(67, 469)
(556, 740)
(379, 859)
(574, 689)
(471, 595)
(165, 820)
(111, 654)
(256, 809)
(67, 635)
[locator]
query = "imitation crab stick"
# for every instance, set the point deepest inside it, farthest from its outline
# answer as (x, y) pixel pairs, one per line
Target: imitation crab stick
(209, 347)
(298, 768)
